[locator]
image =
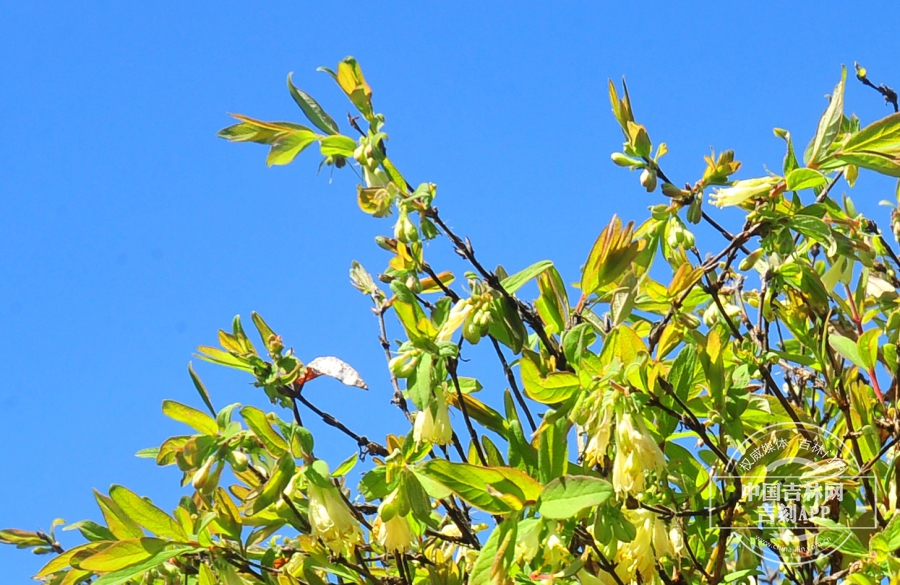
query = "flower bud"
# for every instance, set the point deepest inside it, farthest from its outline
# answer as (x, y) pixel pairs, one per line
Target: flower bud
(202, 475)
(622, 160)
(374, 177)
(403, 365)
(385, 243)
(648, 180)
(239, 461)
(405, 230)
(695, 213)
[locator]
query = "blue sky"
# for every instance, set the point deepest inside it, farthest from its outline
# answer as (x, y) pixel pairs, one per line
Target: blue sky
(130, 233)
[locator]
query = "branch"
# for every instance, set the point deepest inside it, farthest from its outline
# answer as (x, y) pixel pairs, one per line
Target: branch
(514, 386)
(362, 441)
(451, 368)
(397, 398)
(890, 96)
(464, 249)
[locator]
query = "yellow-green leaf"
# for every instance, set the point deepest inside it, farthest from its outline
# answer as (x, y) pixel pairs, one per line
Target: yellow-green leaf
(259, 424)
(271, 491)
(556, 387)
(868, 347)
(474, 484)
(146, 514)
(566, 496)
(119, 523)
(122, 554)
(311, 109)
(192, 417)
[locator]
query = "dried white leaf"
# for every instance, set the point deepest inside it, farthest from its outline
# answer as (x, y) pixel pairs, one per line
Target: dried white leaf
(337, 369)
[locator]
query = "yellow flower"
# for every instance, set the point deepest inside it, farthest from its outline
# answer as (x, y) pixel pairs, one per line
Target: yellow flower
(650, 542)
(598, 428)
(528, 543)
(741, 191)
(331, 518)
(636, 452)
(433, 423)
(455, 319)
(394, 534)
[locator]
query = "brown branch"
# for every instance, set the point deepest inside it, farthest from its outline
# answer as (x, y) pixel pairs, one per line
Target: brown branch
(514, 386)
(464, 249)
(451, 368)
(362, 441)
(889, 95)
(398, 397)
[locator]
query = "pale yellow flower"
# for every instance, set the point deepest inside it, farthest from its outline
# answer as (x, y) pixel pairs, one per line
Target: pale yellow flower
(331, 519)
(598, 428)
(528, 543)
(433, 423)
(455, 319)
(636, 451)
(394, 534)
(651, 541)
(741, 191)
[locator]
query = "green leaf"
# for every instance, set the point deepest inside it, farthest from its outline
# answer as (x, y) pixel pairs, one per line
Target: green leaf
(556, 387)
(839, 536)
(65, 559)
(192, 417)
(123, 553)
(287, 146)
(201, 389)
(494, 559)
(868, 347)
(553, 449)
(259, 424)
(881, 136)
(91, 530)
(271, 491)
(566, 496)
(513, 283)
(611, 254)
(846, 348)
(119, 523)
(812, 227)
(338, 145)
(891, 533)
(311, 109)
(345, 467)
(876, 147)
(790, 159)
(126, 574)
(21, 538)
(146, 514)
(207, 577)
(829, 123)
(478, 485)
(681, 375)
(804, 178)
(223, 358)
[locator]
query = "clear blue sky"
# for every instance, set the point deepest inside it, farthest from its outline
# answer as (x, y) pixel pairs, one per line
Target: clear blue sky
(130, 233)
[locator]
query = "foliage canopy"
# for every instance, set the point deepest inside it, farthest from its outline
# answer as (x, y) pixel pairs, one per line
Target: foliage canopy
(706, 418)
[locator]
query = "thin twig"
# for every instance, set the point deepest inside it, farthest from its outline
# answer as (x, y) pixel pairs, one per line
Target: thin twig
(514, 386)
(451, 368)
(361, 440)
